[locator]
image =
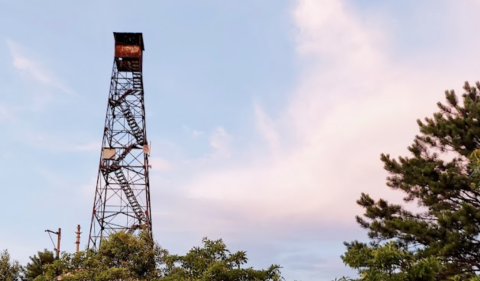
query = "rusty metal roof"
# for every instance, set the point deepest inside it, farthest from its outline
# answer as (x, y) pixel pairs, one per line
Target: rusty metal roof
(129, 38)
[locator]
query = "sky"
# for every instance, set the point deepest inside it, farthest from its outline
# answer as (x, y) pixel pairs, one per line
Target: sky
(267, 118)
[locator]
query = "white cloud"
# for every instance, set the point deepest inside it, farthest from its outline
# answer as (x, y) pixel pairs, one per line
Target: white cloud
(332, 125)
(30, 66)
(160, 164)
(57, 142)
(34, 69)
(266, 128)
(91, 146)
(221, 142)
(328, 30)
(354, 101)
(192, 132)
(35, 98)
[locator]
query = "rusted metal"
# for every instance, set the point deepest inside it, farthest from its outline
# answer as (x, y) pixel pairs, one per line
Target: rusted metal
(122, 195)
(129, 38)
(128, 51)
(77, 241)
(129, 48)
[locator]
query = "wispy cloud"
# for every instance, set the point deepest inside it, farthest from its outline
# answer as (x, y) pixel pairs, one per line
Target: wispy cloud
(192, 132)
(355, 98)
(354, 101)
(160, 164)
(35, 98)
(266, 128)
(57, 142)
(34, 69)
(84, 147)
(220, 142)
(330, 128)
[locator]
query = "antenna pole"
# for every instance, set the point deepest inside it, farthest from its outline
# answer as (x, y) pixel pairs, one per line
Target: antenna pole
(78, 238)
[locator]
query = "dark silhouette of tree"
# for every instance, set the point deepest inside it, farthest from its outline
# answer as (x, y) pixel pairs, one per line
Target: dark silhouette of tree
(441, 239)
(37, 265)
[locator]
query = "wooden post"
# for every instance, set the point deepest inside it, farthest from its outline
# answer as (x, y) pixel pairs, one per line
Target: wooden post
(59, 238)
(58, 242)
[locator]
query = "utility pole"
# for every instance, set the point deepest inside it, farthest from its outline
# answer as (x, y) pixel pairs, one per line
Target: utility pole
(59, 238)
(78, 238)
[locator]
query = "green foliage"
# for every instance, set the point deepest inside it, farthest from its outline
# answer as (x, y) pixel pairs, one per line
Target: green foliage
(214, 262)
(389, 262)
(439, 241)
(37, 264)
(123, 256)
(9, 269)
(137, 254)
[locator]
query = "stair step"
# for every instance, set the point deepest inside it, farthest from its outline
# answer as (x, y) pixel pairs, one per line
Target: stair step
(137, 132)
(132, 200)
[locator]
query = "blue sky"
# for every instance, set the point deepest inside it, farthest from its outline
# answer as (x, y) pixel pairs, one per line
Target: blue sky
(266, 118)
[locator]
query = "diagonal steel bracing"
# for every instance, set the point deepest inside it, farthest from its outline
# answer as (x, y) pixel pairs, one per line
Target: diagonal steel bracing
(122, 194)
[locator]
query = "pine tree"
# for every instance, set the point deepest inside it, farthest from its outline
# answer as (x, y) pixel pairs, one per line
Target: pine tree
(9, 269)
(37, 264)
(442, 176)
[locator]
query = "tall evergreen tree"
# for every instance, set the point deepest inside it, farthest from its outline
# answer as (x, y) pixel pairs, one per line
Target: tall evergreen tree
(442, 176)
(9, 269)
(37, 264)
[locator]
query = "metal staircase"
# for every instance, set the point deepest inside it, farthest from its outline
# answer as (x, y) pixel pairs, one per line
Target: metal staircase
(137, 132)
(122, 181)
(116, 163)
(125, 109)
(120, 99)
(132, 199)
(137, 80)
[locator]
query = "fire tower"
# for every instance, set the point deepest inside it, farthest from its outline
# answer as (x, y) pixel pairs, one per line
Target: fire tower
(122, 194)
